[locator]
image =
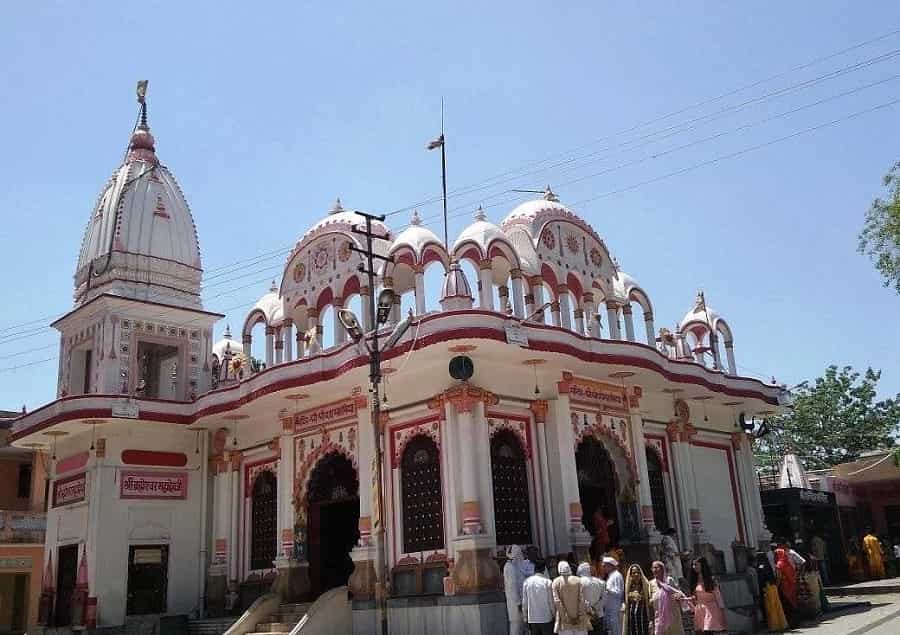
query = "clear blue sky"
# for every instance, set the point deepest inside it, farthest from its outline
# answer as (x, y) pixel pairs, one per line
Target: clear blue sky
(266, 112)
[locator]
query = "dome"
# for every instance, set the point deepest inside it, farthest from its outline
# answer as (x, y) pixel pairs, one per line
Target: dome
(416, 237)
(141, 241)
(532, 216)
(623, 285)
(227, 343)
(270, 306)
(482, 233)
(338, 219)
(701, 315)
(456, 293)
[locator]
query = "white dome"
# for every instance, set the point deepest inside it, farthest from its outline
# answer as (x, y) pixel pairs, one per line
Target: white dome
(482, 232)
(141, 241)
(338, 219)
(270, 306)
(416, 237)
(532, 216)
(701, 315)
(227, 342)
(623, 284)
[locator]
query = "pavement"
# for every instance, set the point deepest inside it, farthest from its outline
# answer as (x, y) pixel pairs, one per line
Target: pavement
(877, 587)
(869, 614)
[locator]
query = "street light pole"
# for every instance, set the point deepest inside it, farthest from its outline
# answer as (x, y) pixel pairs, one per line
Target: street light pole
(375, 381)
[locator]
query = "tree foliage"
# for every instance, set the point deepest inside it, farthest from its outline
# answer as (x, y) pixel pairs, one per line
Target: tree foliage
(880, 236)
(833, 421)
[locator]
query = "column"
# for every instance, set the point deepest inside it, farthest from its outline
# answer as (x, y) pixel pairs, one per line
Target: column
(612, 320)
(680, 435)
(270, 346)
(362, 582)
(539, 413)
(503, 293)
(315, 330)
(485, 285)
(629, 322)
(644, 498)
(565, 307)
(234, 520)
(365, 296)
(292, 581)
(339, 333)
(729, 353)
(593, 326)
(287, 329)
(518, 292)
(247, 341)
(753, 509)
(648, 325)
(419, 274)
(395, 311)
(217, 573)
(537, 292)
(579, 321)
(554, 312)
(279, 346)
(300, 338)
(714, 347)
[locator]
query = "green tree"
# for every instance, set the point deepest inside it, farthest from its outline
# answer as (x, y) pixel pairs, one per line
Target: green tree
(833, 421)
(880, 236)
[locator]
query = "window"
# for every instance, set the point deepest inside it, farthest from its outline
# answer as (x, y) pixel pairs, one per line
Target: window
(423, 522)
(88, 358)
(512, 513)
(24, 488)
(657, 490)
(158, 371)
(263, 516)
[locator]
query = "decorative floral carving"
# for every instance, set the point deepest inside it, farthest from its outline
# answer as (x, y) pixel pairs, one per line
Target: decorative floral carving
(596, 257)
(572, 243)
(402, 436)
(320, 258)
(516, 426)
(299, 272)
(548, 239)
(344, 251)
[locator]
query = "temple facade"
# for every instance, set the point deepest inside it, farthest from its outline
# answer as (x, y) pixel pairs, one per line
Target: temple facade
(190, 476)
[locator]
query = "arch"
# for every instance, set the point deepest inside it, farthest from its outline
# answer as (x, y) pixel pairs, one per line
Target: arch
(435, 270)
(598, 486)
(325, 298)
(656, 479)
(420, 494)
(327, 320)
(509, 479)
(255, 327)
(351, 287)
(550, 279)
(434, 252)
(264, 519)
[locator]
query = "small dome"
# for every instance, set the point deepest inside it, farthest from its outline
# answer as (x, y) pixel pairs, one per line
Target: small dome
(338, 219)
(416, 237)
(701, 316)
(482, 233)
(623, 284)
(532, 216)
(227, 343)
(270, 306)
(456, 293)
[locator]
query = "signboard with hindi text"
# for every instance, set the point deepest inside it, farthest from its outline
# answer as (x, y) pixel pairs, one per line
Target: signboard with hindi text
(605, 397)
(69, 490)
(325, 415)
(153, 485)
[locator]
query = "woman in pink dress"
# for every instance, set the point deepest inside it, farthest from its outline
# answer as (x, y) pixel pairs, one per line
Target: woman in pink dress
(709, 609)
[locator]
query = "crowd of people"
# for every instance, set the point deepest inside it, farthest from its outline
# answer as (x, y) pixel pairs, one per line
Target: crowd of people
(600, 600)
(872, 557)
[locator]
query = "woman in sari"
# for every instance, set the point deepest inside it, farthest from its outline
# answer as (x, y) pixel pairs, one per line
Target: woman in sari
(787, 583)
(709, 609)
(768, 593)
(855, 562)
(665, 600)
(637, 603)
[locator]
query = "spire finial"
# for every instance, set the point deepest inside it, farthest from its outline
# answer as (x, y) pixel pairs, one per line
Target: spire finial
(141, 146)
(142, 100)
(337, 206)
(479, 213)
(549, 195)
(700, 304)
(273, 288)
(414, 219)
(227, 333)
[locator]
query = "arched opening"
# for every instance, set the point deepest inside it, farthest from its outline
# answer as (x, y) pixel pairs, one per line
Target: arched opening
(355, 303)
(420, 483)
(656, 479)
(471, 272)
(326, 321)
(264, 518)
(509, 475)
(434, 282)
(257, 352)
(597, 487)
(333, 521)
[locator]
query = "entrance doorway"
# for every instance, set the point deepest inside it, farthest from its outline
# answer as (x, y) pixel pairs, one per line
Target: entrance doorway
(66, 574)
(597, 487)
(333, 504)
(148, 579)
(14, 604)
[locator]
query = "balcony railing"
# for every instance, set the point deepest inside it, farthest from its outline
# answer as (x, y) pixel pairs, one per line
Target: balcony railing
(22, 527)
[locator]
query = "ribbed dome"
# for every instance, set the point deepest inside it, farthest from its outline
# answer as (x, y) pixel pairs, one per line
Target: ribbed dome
(482, 233)
(455, 293)
(141, 241)
(416, 237)
(341, 220)
(623, 285)
(270, 306)
(534, 215)
(701, 315)
(227, 343)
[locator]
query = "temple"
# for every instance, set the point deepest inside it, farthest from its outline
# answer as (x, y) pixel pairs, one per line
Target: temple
(191, 477)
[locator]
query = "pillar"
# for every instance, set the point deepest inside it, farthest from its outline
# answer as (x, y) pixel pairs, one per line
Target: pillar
(315, 330)
(554, 313)
(270, 346)
(593, 326)
(292, 581)
(300, 338)
(612, 320)
(234, 521)
(645, 500)
(339, 332)
(714, 347)
(579, 322)
(729, 353)
(287, 329)
(279, 346)
(365, 296)
(680, 436)
(247, 341)
(503, 293)
(518, 292)
(485, 285)
(565, 307)
(537, 292)
(759, 535)
(539, 415)
(648, 326)
(629, 322)
(419, 274)
(395, 311)
(362, 582)
(217, 572)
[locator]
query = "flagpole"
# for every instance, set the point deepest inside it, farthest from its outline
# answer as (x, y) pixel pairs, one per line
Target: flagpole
(444, 174)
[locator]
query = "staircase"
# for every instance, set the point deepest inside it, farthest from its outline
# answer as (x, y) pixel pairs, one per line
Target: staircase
(283, 620)
(210, 626)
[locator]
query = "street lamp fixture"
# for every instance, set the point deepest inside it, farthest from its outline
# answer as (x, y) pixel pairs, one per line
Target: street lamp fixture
(385, 304)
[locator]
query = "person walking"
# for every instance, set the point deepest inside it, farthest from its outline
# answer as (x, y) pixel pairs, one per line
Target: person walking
(665, 600)
(819, 549)
(768, 594)
(538, 610)
(709, 609)
(786, 575)
(612, 599)
(874, 555)
(571, 612)
(592, 589)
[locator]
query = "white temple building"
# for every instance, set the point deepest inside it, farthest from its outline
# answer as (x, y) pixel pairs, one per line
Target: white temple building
(189, 478)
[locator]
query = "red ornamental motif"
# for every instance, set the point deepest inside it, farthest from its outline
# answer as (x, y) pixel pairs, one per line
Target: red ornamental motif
(596, 257)
(299, 271)
(344, 252)
(572, 243)
(320, 258)
(549, 239)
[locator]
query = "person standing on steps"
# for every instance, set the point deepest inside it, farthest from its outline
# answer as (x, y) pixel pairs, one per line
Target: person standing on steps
(538, 610)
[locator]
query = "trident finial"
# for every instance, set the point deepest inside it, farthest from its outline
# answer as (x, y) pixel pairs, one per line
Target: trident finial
(142, 100)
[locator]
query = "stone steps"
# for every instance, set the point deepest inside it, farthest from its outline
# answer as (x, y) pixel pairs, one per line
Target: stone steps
(210, 626)
(282, 621)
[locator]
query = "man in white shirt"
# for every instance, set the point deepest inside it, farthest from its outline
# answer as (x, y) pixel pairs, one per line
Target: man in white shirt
(592, 592)
(537, 601)
(615, 593)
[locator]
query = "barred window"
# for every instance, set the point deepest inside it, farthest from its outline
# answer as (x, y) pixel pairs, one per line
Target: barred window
(264, 514)
(657, 490)
(423, 521)
(509, 468)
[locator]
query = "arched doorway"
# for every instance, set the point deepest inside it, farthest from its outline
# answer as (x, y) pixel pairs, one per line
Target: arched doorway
(263, 531)
(656, 479)
(509, 470)
(420, 479)
(597, 488)
(333, 513)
